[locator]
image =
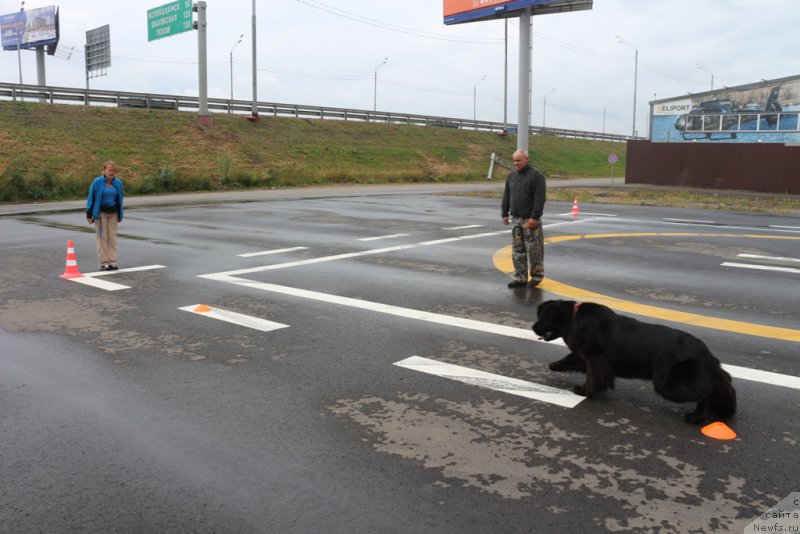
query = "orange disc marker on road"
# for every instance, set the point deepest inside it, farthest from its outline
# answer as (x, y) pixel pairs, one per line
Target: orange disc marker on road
(202, 308)
(718, 430)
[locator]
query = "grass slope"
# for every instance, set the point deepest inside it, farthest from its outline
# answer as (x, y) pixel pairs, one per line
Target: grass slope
(50, 152)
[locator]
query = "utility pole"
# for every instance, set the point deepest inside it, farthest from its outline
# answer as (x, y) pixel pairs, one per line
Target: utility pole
(254, 111)
(232, 49)
(523, 90)
(505, 78)
(375, 91)
(202, 64)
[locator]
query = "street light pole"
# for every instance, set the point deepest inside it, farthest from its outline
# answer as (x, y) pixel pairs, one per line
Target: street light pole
(708, 71)
(20, 35)
(254, 110)
(604, 116)
(505, 78)
(232, 49)
(375, 92)
(475, 101)
(635, 77)
(544, 107)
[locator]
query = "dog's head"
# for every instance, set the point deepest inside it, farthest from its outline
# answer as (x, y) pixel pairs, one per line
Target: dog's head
(553, 318)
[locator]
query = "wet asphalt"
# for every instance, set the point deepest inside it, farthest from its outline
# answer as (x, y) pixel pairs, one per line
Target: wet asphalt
(122, 413)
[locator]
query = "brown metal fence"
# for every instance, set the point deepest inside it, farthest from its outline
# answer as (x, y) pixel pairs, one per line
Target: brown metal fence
(762, 167)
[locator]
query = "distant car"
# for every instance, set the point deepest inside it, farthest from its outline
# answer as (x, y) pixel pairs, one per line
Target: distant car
(149, 103)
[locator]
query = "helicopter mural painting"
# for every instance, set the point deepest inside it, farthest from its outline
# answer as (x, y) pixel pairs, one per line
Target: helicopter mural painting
(763, 112)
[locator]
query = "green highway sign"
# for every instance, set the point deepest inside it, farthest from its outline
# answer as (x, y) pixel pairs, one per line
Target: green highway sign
(169, 19)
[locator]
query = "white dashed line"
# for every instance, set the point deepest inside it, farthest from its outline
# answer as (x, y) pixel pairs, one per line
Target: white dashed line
(760, 267)
(688, 221)
(265, 252)
(463, 227)
(232, 317)
(376, 238)
(505, 384)
(90, 280)
(775, 258)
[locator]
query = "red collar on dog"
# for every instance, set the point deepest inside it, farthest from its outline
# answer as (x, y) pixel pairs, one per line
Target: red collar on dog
(575, 309)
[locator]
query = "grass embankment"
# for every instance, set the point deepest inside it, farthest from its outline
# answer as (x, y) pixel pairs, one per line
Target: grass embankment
(51, 152)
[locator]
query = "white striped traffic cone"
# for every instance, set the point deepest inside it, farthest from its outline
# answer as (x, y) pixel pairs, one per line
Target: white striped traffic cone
(72, 263)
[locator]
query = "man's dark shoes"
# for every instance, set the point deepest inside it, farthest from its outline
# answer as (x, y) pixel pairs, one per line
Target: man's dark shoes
(515, 283)
(535, 281)
(113, 267)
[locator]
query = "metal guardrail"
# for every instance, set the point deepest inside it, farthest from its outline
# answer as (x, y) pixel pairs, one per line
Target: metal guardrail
(52, 95)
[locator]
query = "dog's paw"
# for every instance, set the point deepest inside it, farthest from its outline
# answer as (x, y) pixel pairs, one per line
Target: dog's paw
(558, 366)
(694, 418)
(580, 390)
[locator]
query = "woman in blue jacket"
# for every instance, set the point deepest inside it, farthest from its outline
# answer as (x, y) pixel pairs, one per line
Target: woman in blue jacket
(104, 210)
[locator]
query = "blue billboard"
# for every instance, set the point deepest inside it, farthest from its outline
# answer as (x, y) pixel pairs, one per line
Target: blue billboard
(29, 29)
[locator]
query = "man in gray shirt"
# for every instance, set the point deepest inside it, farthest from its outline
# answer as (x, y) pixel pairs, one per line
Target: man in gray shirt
(523, 199)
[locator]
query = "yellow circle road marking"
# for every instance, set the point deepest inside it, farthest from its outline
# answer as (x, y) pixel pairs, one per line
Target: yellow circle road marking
(502, 260)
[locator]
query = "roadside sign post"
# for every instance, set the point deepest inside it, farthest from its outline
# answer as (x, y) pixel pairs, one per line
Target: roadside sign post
(612, 159)
(176, 17)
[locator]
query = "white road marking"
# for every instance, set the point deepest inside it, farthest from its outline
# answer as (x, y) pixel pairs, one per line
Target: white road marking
(236, 318)
(265, 252)
(690, 221)
(760, 267)
(376, 238)
(316, 260)
(765, 377)
(348, 255)
(408, 313)
(789, 227)
(474, 377)
(90, 280)
(463, 227)
(598, 214)
(126, 270)
(776, 258)
(715, 226)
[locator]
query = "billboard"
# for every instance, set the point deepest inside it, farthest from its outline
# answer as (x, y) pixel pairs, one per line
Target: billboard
(459, 11)
(763, 112)
(29, 29)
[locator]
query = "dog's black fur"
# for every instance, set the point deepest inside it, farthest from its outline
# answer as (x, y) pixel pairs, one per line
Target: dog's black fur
(605, 345)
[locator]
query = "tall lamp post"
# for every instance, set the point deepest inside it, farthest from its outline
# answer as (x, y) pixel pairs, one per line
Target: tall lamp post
(232, 49)
(20, 35)
(375, 92)
(604, 116)
(635, 77)
(475, 100)
(254, 110)
(544, 107)
(708, 71)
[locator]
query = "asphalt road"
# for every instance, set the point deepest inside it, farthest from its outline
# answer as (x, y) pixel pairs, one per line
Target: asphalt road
(123, 413)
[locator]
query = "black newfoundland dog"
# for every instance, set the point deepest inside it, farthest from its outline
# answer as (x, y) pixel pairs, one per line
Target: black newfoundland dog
(605, 345)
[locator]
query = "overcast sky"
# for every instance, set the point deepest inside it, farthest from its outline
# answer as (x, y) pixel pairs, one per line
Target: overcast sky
(325, 53)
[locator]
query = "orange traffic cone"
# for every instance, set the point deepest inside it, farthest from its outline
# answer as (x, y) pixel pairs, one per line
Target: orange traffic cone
(575, 207)
(72, 263)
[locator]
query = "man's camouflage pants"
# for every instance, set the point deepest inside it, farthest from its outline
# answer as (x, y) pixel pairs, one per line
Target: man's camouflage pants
(527, 250)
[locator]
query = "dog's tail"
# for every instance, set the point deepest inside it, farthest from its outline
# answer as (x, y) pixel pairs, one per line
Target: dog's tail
(723, 399)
